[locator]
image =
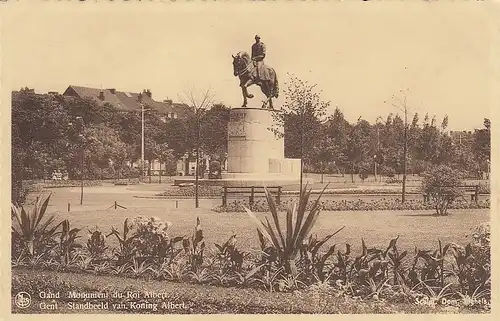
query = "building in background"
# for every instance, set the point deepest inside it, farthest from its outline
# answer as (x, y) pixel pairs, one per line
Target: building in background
(130, 101)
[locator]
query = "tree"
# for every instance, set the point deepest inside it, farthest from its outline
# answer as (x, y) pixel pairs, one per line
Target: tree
(165, 155)
(358, 145)
(441, 183)
(322, 154)
(200, 101)
(444, 124)
(482, 145)
(401, 104)
(337, 130)
(303, 113)
(213, 127)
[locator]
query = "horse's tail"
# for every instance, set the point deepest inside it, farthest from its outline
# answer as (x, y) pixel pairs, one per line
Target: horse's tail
(276, 86)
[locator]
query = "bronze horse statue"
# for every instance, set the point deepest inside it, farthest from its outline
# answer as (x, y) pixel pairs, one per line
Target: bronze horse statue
(244, 68)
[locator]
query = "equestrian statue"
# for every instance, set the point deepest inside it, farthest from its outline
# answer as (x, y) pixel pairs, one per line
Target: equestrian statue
(252, 71)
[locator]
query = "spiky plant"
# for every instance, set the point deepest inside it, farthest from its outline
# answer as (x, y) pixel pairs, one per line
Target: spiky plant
(287, 240)
(31, 230)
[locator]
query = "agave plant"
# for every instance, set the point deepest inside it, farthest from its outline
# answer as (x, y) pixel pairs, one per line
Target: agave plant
(31, 229)
(140, 269)
(288, 240)
(246, 279)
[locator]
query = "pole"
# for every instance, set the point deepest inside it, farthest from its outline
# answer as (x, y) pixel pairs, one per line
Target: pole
(301, 148)
(378, 148)
(405, 148)
(197, 158)
(142, 141)
(81, 174)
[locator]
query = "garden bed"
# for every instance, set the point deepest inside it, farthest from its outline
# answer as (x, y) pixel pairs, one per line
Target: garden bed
(261, 205)
(293, 270)
(200, 299)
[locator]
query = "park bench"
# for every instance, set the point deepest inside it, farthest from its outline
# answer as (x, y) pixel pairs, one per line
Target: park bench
(472, 190)
(250, 191)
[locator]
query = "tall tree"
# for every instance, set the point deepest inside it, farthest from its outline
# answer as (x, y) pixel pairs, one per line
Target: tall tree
(304, 108)
(200, 101)
(358, 146)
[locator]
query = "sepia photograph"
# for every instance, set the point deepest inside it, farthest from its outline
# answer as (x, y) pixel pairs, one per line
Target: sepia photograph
(244, 157)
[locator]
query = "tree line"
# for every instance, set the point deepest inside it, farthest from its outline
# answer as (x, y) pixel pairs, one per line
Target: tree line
(53, 132)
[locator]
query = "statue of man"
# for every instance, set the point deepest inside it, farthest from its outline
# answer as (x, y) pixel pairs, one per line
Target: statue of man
(258, 54)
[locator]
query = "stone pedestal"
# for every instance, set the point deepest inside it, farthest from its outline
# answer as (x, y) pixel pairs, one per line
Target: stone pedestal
(254, 151)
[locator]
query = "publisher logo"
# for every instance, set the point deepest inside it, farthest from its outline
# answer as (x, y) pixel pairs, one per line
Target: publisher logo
(22, 300)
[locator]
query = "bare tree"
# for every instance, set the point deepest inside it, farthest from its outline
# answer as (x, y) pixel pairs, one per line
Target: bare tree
(199, 101)
(401, 104)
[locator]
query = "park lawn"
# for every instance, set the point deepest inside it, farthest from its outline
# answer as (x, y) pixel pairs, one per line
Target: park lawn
(415, 228)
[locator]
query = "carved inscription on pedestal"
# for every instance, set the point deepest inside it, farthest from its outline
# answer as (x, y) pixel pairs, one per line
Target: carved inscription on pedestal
(236, 126)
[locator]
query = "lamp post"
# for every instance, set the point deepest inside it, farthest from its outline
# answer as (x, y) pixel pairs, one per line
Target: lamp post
(139, 98)
(378, 147)
(81, 126)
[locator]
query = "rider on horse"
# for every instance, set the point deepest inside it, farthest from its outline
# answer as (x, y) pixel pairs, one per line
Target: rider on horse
(258, 55)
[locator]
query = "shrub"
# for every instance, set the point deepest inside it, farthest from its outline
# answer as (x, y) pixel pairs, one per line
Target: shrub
(214, 170)
(194, 247)
(96, 244)
(67, 244)
(441, 184)
(388, 171)
(30, 232)
(150, 235)
(363, 176)
(127, 249)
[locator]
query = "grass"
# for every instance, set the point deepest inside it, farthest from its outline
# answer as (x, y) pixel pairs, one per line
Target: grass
(377, 228)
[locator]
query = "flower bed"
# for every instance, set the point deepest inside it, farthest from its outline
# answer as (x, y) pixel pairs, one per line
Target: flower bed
(202, 299)
(38, 185)
(146, 251)
(189, 191)
(260, 205)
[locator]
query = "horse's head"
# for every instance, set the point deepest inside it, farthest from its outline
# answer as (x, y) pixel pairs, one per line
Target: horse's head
(239, 63)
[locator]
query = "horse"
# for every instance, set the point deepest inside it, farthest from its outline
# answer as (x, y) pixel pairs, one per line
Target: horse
(244, 68)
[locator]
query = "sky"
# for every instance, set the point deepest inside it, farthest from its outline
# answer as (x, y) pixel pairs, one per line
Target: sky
(359, 54)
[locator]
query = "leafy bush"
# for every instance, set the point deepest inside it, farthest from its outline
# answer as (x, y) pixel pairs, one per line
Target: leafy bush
(215, 170)
(441, 184)
(150, 235)
(363, 176)
(388, 171)
(96, 244)
(194, 247)
(67, 244)
(128, 248)
(31, 234)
